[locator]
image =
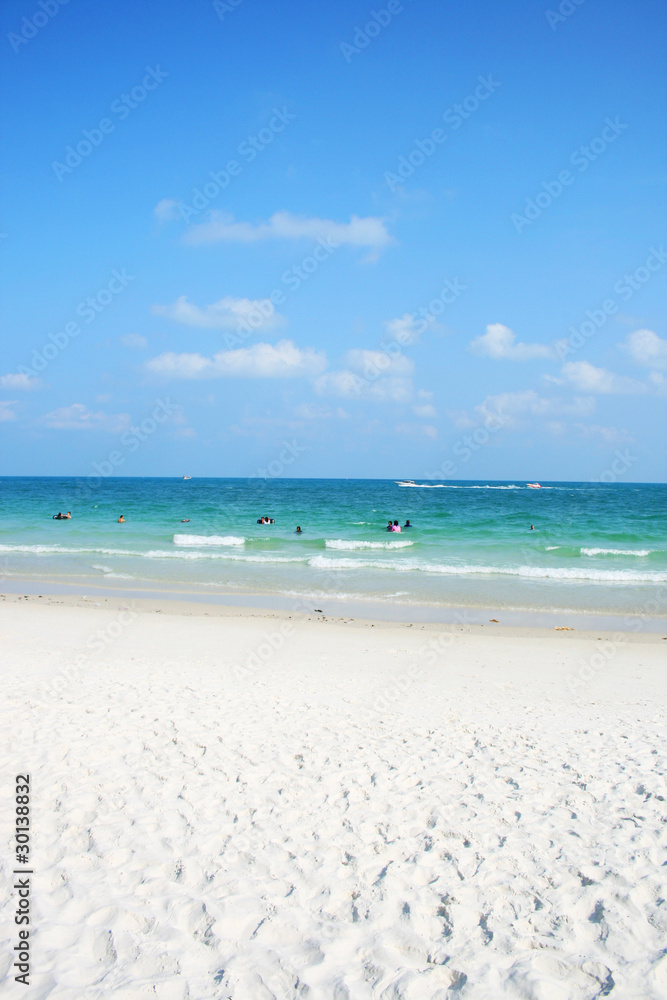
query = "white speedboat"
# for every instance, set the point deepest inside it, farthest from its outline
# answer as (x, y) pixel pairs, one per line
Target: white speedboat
(187, 477)
(404, 482)
(533, 486)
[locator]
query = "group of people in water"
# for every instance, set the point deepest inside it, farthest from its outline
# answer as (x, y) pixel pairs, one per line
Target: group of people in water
(391, 526)
(272, 520)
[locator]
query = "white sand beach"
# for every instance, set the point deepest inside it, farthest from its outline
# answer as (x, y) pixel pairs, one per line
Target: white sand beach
(228, 804)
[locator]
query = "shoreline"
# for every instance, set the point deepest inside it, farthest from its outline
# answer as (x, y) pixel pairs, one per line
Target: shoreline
(332, 608)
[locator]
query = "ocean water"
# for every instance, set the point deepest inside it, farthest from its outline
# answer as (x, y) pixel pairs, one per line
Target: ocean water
(595, 547)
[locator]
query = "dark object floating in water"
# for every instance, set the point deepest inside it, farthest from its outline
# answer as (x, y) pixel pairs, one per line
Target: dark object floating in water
(318, 609)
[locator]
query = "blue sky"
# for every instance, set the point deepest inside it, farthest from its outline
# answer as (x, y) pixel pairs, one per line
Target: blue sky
(435, 245)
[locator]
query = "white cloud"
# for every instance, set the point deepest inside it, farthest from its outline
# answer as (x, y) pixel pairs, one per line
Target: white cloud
(511, 407)
(413, 430)
(405, 329)
(426, 410)
(225, 314)
(646, 348)
(78, 417)
(350, 385)
(373, 363)
(310, 411)
(500, 342)
(368, 232)
(605, 435)
(134, 340)
(282, 360)
(166, 210)
(587, 378)
(556, 427)
(7, 414)
(370, 374)
(17, 381)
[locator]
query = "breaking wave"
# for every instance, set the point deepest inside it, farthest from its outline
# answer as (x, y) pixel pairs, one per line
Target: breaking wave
(200, 540)
(529, 572)
(349, 545)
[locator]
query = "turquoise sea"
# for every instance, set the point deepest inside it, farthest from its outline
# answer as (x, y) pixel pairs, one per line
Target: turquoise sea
(595, 547)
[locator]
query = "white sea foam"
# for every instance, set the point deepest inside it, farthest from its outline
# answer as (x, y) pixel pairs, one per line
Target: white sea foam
(151, 554)
(104, 569)
(39, 549)
(530, 572)
(341, 595)
(64, 550)
(226, 556)
(450, 486)
(616, 552)
(350, 544)
(199, 540)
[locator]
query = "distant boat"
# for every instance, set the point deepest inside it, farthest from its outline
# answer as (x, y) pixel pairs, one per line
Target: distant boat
(533, 486)
(404, 482)
(187, 477)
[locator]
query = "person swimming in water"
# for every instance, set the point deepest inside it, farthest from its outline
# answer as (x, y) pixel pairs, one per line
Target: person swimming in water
(390, 526)
(121, 520)
(407, 525)
(62, 517)
(395, 526)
